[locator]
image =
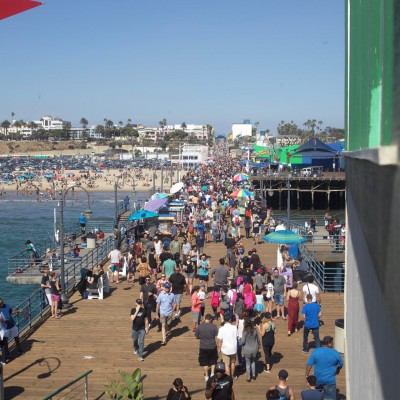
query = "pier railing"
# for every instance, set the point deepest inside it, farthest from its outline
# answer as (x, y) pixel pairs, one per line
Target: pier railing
(36, 307)
(330, 276)
(21, 262)
(76, 389)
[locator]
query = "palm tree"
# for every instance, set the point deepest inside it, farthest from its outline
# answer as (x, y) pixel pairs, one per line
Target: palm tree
(5, 125)
(183, 126)
(84, 122)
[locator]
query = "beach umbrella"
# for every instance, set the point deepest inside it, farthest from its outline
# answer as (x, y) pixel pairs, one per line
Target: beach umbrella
(242, 193)
(284, 237)
(154, 205)
(240, 177)
(159, 196)
(142, 214)
(176, 188)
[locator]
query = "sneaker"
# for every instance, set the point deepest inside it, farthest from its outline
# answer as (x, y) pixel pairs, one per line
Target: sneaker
(135, 351)
(235, 378)
(140, 358)
(206, 378)
(305, 351)
(267, 371)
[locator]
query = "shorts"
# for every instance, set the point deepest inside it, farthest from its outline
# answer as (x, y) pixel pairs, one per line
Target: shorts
(196, 316)
(255, 234)
(228, 358)
(114, 268)
(11, 333)
(189, 276)
(203, 278)
(178, 298)
(55, 297)
(279, 299)
(208, 357)
(82, 225)
(165, 319)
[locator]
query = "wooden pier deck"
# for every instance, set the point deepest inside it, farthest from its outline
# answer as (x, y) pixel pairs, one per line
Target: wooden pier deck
(96, 334)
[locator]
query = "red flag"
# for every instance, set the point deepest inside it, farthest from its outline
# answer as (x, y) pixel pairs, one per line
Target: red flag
(12, 7)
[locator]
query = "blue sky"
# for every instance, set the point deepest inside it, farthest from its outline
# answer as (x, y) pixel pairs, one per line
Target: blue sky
(210, 61)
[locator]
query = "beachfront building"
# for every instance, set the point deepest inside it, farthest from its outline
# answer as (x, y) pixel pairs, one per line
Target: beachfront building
(154, 133)
(372, 302)
(190, 156)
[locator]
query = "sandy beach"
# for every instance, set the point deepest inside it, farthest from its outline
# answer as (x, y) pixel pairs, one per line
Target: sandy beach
(140, 179)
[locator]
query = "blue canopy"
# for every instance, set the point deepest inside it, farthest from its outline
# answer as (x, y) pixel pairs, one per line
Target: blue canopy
(284, 237)
(142, 214)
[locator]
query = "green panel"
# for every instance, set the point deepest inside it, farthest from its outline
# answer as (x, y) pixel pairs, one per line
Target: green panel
(369, 73)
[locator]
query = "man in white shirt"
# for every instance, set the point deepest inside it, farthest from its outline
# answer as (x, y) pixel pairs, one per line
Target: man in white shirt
(310, 288)
(115, 257)
(227, 345)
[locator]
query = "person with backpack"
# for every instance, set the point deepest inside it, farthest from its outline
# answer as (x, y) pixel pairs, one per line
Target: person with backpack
(285, 392)
(224, 304)
(249, 298)
(215, 300)
(266, 331)
(250, 343)
(232, 294)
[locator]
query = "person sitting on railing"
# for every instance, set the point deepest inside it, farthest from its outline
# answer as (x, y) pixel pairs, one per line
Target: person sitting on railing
(76, 251)
(100, 234)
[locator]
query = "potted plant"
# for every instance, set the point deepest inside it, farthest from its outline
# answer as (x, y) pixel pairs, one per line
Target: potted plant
(131, 386)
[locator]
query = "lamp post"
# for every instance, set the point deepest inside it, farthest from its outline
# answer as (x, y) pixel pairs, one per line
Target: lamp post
(88, 214)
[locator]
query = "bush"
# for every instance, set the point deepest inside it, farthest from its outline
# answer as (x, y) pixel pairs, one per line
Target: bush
(71, 147)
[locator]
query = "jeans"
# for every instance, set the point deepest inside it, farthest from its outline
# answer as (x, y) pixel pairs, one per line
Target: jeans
(328, 391)
(250, 367)
(239, 354)
(315, 332)
(138, 340)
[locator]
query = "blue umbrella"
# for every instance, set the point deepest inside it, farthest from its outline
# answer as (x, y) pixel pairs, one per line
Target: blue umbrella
(284, 237)
(142, 214)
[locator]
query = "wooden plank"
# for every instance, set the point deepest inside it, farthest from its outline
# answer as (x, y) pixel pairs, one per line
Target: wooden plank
(96, 334)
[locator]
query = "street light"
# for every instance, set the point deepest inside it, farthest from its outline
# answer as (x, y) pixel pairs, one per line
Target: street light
(88, 214)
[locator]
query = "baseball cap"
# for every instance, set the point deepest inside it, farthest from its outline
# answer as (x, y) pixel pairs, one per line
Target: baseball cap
(220, 366)
(167, 285)
(259, 271)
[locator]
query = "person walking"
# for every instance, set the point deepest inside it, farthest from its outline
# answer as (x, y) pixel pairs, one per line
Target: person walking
(327, 363)
(45, 284)
(115, 258)
(55, 295)
(311, 313)
(165, 307)
(279, 290)
(178, 391)
(250, 343)
(312, 393)
(208, 353)
(220, 386)
(148, 295)
(178, 282)
(285, 392)
(293, 309)
(82, 222)
(140, 328)
(227, 345)
(267, 333)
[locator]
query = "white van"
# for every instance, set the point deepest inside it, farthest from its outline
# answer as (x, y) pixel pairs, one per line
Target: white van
(312, 171)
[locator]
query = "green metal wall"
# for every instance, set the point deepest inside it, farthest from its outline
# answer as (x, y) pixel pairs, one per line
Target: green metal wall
(370, 68)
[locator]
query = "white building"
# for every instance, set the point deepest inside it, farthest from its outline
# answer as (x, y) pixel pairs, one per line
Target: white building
(241, 130)
(190, 155)
(48, 122)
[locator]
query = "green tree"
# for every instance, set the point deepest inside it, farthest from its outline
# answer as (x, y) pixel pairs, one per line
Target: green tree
(183, 126)
(112, 144)
(84, 122)
(288, 129)
(67, 130)
(6, 125)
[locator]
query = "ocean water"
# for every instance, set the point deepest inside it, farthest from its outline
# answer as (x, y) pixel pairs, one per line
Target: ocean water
(23, 218)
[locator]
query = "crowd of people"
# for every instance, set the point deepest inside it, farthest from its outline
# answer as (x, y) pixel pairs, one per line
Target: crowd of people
(240, 292)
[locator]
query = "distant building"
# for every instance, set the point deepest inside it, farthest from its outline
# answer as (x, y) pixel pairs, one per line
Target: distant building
(241, 130)
(48, 122)
(191, 155)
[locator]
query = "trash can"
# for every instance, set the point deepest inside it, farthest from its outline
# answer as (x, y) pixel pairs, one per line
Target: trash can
(91, 243)
(339, 335)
